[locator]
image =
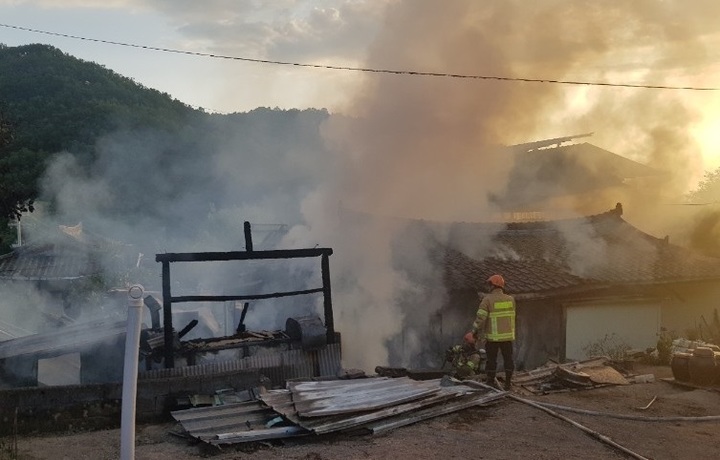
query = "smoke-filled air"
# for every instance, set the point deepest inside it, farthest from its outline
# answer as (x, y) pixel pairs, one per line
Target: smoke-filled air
(407, 148)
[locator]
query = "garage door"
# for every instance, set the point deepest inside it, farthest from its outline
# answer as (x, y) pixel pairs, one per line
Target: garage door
(636, 325)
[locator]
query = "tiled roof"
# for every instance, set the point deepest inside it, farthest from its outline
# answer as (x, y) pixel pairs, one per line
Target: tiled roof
(46, 262)
(598, 250)
(55, 253)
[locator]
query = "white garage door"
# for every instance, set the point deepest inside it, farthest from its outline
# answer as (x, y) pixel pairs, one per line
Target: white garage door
(636, 325)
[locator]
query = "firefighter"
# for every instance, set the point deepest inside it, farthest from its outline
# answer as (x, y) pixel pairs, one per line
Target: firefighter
(495, 322)
(465, 358)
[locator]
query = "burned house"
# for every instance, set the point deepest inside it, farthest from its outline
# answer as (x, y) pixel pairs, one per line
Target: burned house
(578, 282)
(580, 277)
(307, 345)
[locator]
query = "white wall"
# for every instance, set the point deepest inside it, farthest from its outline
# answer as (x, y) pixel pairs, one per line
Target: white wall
(634, 324)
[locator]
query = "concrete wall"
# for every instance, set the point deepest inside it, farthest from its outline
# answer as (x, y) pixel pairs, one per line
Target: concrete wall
(85, 407)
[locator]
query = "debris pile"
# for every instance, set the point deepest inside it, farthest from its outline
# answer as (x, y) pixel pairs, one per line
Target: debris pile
(591, 373)
(374, 405)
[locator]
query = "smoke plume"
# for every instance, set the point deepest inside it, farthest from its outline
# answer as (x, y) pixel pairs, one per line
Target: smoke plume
(412, 147)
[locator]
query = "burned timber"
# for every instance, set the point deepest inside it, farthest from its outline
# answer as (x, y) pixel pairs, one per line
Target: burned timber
(171, 365)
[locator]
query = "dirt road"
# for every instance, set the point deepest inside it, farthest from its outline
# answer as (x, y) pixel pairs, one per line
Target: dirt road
(507, 430)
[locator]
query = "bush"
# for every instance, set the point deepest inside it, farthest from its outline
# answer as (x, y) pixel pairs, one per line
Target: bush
(664, 347)
(610, 346)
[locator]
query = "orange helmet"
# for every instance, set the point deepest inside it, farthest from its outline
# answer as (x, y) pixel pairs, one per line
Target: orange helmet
(497, 281)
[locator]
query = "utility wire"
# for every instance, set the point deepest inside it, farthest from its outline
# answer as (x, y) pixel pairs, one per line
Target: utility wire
(367, 69)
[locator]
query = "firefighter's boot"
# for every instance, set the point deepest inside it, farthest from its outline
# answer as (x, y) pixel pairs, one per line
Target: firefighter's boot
(490, 379)
(507, 386)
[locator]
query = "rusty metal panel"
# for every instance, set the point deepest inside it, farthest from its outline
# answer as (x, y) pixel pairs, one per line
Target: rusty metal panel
(444, 398)
(455, 405)
(317, 399)
(276, 415)
(278, 366)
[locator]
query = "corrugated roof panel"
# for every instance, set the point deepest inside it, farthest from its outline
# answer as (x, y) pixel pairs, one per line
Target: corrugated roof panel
(277, 365)
(254, 421)
(234, 423)
(317, 399)
(449, 407)
(64, 339)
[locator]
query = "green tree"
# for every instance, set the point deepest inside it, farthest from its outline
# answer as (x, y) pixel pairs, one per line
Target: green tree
(19, 170)
(704, 235)
(708, 190)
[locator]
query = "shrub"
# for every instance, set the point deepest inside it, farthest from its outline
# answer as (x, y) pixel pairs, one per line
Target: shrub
(610, 346)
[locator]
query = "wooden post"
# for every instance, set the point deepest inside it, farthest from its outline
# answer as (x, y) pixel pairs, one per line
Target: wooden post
(167, 316)
(327, 298)
(248, 237)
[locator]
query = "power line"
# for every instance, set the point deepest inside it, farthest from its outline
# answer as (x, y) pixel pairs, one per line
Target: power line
(367, 69)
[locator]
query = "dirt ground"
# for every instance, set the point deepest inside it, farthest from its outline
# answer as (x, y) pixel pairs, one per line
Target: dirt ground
(507, 430)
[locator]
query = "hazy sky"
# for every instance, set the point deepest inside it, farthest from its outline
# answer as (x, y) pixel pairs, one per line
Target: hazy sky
(659, 42)
(307, 31)
(410, 146)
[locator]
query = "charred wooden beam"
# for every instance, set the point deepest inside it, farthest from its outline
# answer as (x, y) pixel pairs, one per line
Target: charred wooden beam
(167, 316)
(327, 298)
(241, 325)
(249, 254)
(226, 298)
(242, 255)
(248, 237)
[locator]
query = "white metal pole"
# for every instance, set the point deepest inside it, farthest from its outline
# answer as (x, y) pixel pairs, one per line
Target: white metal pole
(130, 372)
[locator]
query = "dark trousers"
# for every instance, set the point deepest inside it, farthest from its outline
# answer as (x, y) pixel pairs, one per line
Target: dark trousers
(491, 349)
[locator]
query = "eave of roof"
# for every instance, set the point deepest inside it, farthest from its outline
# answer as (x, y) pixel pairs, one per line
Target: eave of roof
(46, 263)
(540, 258)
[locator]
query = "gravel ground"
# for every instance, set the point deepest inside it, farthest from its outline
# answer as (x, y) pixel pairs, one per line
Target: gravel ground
(507, 430)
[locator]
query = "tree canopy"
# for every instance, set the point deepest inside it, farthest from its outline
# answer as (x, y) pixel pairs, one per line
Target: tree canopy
(53, 105)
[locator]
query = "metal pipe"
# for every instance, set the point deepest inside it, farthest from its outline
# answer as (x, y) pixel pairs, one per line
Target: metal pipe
(130, 372)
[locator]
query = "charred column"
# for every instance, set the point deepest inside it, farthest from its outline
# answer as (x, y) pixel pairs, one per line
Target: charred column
(167, 316)
(327, 298)
(248, 237)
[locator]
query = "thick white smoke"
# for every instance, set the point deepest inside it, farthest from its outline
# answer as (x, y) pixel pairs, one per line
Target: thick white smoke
(408, 147)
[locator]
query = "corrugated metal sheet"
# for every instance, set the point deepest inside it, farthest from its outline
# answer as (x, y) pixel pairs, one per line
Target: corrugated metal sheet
(356, 404)
(63, 340)
(459, 403)
(10, 331)
(318, 399)
(282, 403)
(249, 421)
(278, 366)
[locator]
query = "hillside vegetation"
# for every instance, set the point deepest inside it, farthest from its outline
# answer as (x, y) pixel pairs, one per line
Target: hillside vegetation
(52, 102)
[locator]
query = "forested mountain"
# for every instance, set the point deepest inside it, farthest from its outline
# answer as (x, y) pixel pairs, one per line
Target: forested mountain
(53, 104)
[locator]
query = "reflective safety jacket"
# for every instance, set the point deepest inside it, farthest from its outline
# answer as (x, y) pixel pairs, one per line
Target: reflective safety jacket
(495, 319)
